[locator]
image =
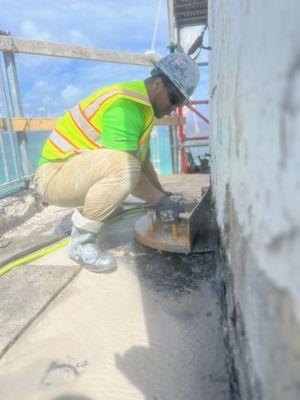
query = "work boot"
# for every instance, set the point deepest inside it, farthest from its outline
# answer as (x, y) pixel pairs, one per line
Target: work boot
(85, 247)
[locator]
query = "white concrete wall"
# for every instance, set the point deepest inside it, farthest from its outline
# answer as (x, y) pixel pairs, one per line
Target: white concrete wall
(255, 130)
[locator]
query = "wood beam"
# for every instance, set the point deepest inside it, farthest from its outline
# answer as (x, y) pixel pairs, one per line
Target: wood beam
(48, 124)
(15, 45)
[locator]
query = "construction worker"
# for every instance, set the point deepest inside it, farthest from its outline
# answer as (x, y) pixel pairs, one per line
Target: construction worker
(98, 154)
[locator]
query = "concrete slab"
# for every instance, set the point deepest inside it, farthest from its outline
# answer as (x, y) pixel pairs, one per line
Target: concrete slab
(24, 294)
(59, 257)
(150, 330)
(106, 337)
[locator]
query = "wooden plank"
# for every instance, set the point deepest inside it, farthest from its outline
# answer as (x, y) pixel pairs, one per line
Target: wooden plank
(30, 124)
(48, 124)
(15, 45)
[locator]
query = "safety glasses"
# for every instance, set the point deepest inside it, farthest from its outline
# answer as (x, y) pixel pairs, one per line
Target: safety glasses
(174, 99)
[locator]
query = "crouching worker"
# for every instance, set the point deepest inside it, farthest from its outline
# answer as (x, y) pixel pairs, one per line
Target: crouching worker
(98, 154)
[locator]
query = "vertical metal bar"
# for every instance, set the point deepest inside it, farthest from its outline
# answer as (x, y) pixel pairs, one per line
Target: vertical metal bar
(171, 147)
(4, 155)
(178, 38)
(171, 18)
(182, 139)
(8, 122)
(11, 71)
(175, 149)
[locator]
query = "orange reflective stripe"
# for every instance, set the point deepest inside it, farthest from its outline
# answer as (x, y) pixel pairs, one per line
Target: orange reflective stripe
(84, 126)
(59, 149)
(65, 138)
(61, 143)
(94, 106)
(146, 132)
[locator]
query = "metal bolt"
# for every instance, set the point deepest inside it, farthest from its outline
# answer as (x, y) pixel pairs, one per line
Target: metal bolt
(150, 222)
(174, 230)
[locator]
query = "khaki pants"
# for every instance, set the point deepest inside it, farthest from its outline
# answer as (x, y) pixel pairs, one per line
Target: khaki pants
(98, 180)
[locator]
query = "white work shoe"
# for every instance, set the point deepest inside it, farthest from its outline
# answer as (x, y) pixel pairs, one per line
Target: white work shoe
(84, 246)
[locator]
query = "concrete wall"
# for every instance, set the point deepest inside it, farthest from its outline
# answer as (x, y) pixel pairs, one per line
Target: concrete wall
(255, 130)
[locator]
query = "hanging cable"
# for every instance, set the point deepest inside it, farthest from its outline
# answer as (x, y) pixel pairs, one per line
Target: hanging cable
(198, 44)
(156, 25)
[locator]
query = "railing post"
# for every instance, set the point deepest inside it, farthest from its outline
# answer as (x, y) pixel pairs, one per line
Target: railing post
(17, 108)
(9, 127)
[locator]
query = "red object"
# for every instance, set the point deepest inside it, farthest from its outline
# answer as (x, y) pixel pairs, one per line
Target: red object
(184, 165)
(183, 138)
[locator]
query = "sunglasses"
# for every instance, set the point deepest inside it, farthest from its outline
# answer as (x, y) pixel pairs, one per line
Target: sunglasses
(174, 99)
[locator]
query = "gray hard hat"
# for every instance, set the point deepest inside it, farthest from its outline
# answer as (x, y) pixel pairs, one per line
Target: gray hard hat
(181, 70)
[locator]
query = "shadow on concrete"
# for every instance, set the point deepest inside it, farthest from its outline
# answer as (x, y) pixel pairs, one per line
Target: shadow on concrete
(185, 358)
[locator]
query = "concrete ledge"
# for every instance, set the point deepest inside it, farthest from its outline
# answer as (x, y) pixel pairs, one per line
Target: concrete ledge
(18, 208)
(24, 293)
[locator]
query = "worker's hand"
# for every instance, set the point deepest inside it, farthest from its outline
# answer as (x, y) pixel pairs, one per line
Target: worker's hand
(167, 211)
(178, 197)
(167, 193)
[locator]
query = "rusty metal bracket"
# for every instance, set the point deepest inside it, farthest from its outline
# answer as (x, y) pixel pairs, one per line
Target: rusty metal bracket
(179, 237)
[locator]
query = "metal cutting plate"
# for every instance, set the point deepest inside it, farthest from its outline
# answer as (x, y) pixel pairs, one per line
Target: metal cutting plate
(197, 217)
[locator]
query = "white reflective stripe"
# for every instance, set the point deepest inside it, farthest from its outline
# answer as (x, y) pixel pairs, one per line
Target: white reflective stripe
(61, 143)
(96, 104)
(86, 128)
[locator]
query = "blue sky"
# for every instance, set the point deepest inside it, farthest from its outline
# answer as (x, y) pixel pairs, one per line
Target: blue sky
(49, 86)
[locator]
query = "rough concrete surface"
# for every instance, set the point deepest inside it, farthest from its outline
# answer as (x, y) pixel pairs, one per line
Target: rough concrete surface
(24, 293)
(17, 208)
(150, 330)
(47, 226)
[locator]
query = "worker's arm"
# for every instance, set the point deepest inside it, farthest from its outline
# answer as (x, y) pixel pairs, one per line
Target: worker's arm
(149, 172)
(145, 190)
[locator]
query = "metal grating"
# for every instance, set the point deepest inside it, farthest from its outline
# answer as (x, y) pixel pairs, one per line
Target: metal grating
(190, 12)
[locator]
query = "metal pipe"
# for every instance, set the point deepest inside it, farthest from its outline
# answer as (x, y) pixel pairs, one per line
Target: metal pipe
(175, 150)
(171, 148)
(195, 145)
(199, 102)
(182, 137)
(188, 138)
(4, 155)
(171, 19)
(14, 181)
(12, 78)
(8, 122)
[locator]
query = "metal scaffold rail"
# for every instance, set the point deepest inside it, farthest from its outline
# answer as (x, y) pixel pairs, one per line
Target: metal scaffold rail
(14, 121)
(182, 14)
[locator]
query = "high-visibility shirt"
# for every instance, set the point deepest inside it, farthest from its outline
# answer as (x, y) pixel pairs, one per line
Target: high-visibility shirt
(119, 117)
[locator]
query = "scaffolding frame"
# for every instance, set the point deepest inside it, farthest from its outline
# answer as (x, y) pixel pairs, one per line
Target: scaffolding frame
(16, 125)
(181, 14)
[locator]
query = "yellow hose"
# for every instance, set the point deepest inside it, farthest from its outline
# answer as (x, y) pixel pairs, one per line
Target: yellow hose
(55, 246)
(33, 256)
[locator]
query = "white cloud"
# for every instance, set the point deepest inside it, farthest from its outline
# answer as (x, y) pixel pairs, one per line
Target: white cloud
(70, 95)
(30, 30)
(50, 85)
(77, 37)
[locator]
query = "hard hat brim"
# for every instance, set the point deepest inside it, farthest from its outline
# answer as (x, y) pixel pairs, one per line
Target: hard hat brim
(185, 95)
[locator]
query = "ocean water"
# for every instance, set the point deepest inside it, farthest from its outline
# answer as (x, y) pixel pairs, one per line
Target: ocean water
(36, 141)
(160, 153)
(35, 144)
